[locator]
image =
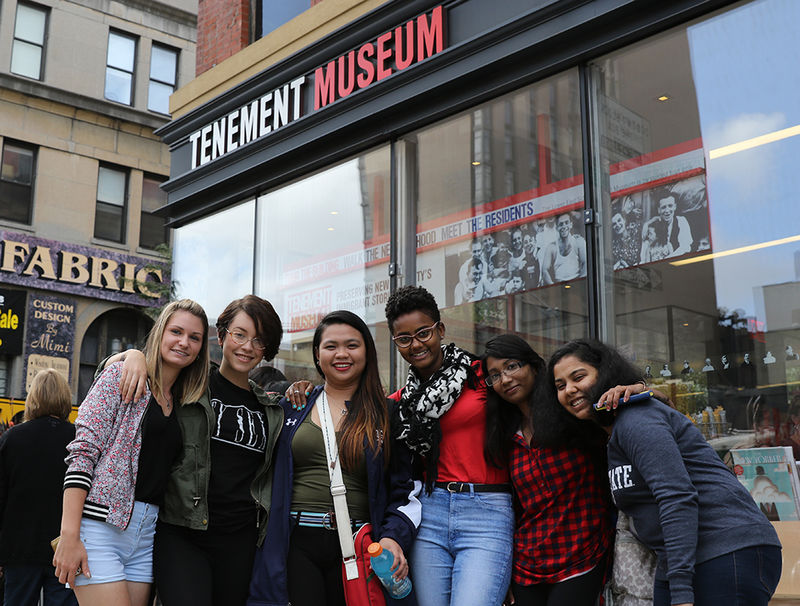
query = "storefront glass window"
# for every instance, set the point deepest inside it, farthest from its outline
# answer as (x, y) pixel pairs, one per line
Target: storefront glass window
(698, 145)
(500, 233)
(213, 258)
(323, 244)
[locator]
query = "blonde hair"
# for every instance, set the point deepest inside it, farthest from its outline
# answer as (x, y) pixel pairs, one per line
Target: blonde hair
(49, 395)
(192, 380)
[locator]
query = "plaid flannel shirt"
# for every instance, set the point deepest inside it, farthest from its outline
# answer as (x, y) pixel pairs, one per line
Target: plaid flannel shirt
(563, 512)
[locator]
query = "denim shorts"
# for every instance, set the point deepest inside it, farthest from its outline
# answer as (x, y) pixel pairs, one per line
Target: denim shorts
(120, 555)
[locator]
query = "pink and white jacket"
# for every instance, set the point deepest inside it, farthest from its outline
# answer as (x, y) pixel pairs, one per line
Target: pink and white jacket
(103, 458)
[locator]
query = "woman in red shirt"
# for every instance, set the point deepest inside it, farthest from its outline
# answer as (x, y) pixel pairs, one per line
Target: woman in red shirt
(462, 553)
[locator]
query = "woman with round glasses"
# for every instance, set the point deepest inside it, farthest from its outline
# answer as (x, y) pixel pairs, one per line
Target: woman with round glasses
(563, 524)
(462, 553)
(214, 511)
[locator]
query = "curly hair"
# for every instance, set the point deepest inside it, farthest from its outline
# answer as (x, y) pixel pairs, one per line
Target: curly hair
(502, 418)
(408, 299)
(557, 427)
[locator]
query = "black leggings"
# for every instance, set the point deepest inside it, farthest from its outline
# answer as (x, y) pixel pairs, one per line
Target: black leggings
(577, 591)
(315, 568)
(203, 567)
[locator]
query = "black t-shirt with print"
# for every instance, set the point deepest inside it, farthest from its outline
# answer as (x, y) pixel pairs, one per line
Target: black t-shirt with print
(238, 442)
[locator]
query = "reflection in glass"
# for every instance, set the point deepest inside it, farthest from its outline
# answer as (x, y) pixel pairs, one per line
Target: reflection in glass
(213, 258)
(111, 186)
(158, 97)
(500, 236)
(323, 244)
(699, 223)
(121, 51)
(26, 59)
(30, 24)
(118, 86)
(162, 64)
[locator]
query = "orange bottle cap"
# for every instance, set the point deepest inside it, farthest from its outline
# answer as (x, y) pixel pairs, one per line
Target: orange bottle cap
(375, 549)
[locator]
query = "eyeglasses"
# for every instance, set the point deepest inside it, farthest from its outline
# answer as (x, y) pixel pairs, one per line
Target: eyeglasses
(510, 369)
(422, 335)
(240, 339)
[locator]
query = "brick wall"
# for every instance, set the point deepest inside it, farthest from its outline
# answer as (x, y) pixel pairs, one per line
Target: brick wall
(223, 29)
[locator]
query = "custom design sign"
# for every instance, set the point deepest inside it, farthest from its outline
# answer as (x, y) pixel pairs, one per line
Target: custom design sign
(80, 270)
(12, 321)
(51, 335)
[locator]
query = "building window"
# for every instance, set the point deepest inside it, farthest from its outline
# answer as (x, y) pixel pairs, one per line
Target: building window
(120, 67)
(27, 54)
(16, 182)
(109, 217)
(271, 15)
(163, 78)
(152, 231)
(699, 223)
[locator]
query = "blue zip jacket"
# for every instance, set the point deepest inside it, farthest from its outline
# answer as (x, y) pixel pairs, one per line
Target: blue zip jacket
(395, 511)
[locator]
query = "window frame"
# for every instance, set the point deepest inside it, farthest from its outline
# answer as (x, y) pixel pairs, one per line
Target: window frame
(135, 39)
(101, 203)
(174, 84)
(32, 185)
(43, 46)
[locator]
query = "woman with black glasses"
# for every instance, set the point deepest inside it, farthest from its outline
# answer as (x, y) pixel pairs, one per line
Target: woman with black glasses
(462, 554)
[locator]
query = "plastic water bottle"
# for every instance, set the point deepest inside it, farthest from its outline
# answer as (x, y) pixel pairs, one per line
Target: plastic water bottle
(381, 562)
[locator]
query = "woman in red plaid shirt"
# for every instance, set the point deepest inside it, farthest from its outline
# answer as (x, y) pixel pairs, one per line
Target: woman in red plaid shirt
(563, 508)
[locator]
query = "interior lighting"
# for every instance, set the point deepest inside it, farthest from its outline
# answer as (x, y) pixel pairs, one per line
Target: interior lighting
(334, 212)
(663, 98)
(330, 229)
(775, 135)
(736, 251)
(567, 285)
(475, 163)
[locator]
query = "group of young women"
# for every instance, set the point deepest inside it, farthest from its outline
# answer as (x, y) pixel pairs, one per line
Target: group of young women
(479, 474)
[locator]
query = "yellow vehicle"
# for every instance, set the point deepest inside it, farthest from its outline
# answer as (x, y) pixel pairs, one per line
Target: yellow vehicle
(9, 407)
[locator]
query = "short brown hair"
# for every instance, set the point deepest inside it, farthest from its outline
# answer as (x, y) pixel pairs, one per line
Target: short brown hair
(49, 395)
(264, 316)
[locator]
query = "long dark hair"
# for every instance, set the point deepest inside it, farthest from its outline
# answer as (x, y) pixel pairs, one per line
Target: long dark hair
(503, 419)
(554, 425)
(367, 413)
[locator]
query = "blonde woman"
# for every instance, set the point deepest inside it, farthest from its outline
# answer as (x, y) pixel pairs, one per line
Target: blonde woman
(31, 474)
(120, 460)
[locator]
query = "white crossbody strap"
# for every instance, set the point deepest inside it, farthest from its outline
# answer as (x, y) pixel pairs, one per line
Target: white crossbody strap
(338, 490)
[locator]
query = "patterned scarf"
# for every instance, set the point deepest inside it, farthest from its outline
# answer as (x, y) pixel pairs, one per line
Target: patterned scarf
(422, 403)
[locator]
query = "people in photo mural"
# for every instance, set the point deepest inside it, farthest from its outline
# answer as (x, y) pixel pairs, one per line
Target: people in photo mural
(663, 222)
(514, 260)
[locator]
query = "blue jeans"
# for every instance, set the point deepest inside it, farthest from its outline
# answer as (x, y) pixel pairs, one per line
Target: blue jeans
(25, 581)
(746, 577)
(462, 553)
